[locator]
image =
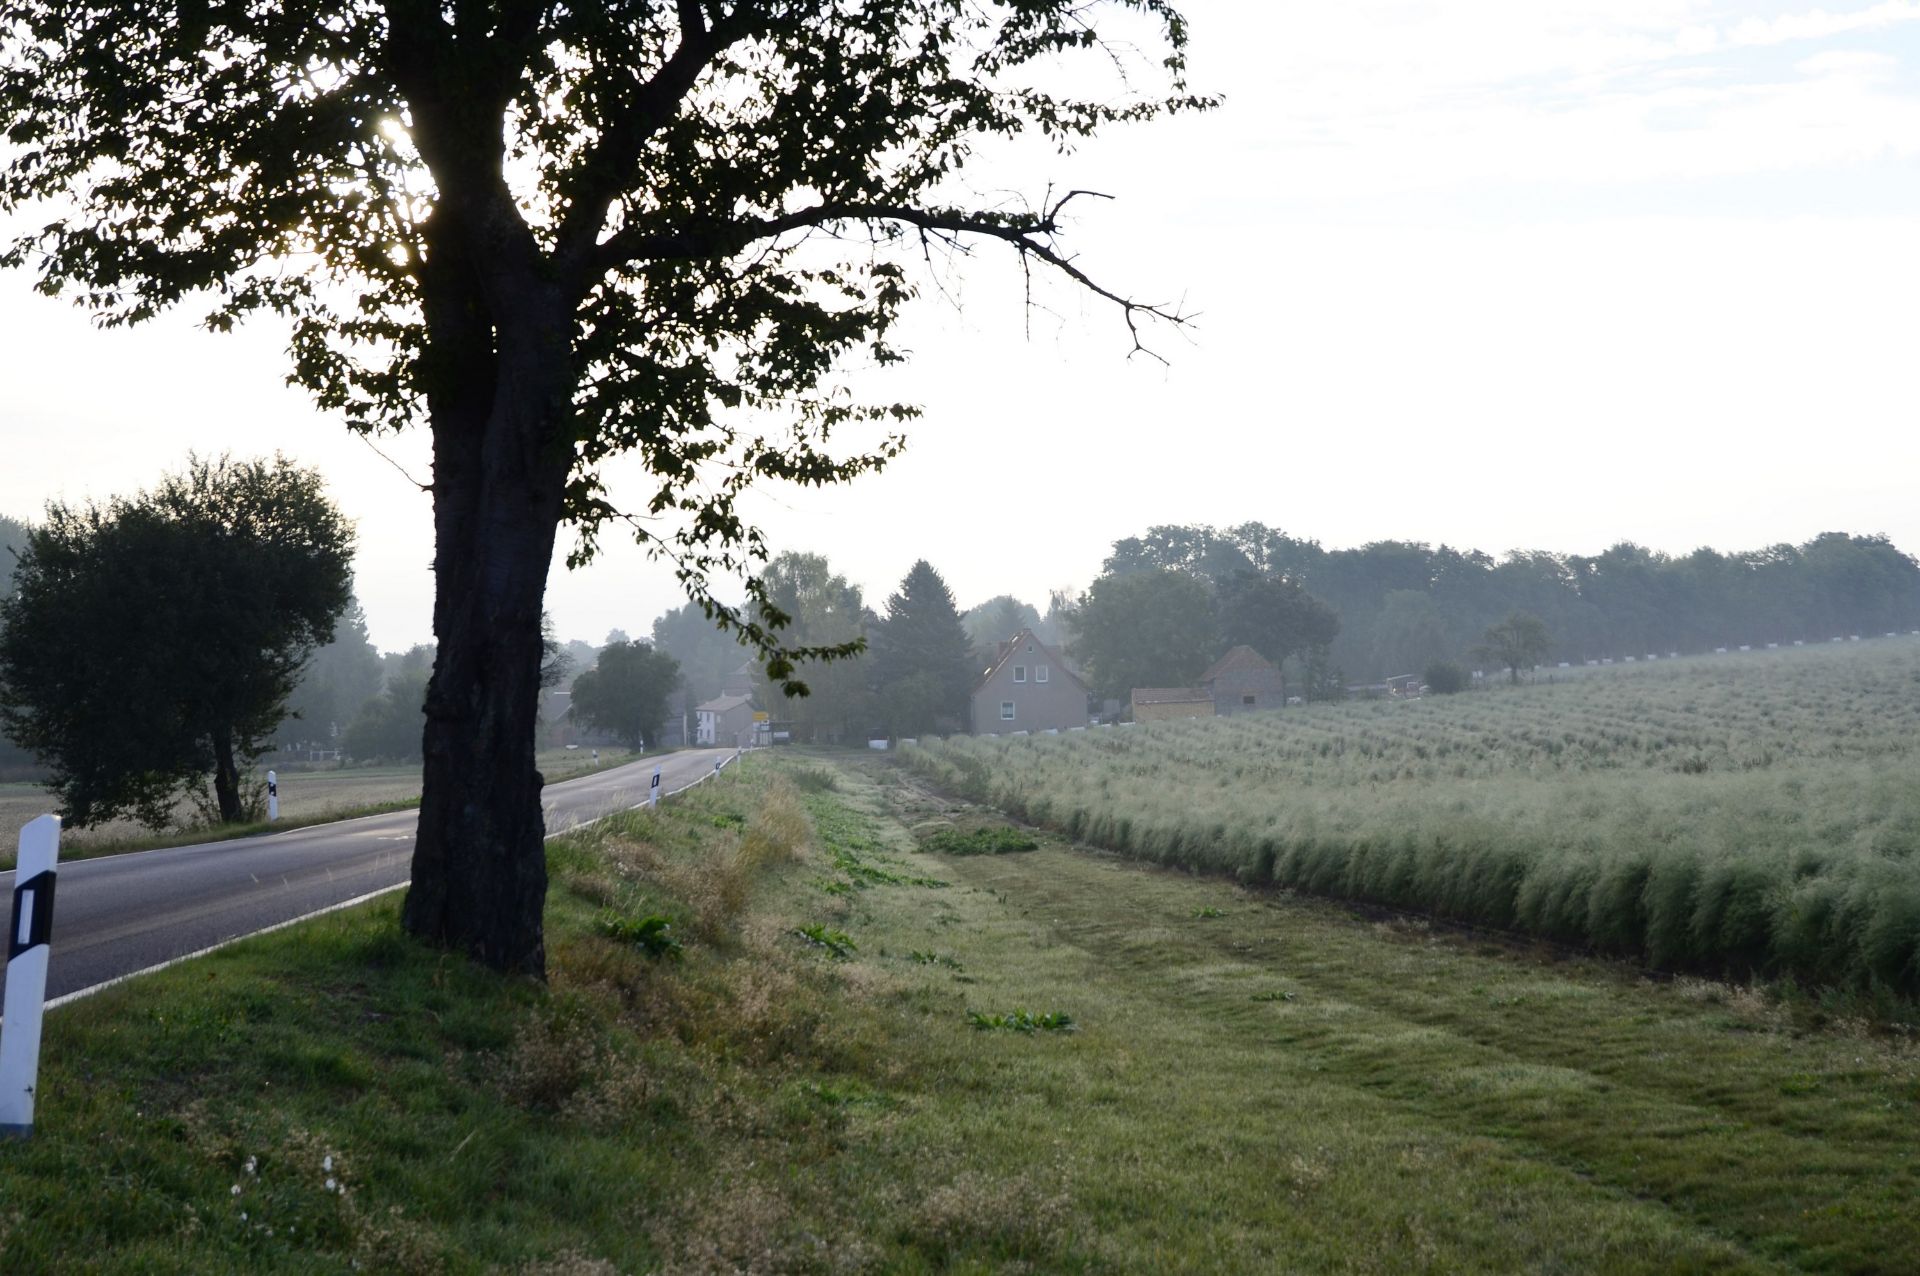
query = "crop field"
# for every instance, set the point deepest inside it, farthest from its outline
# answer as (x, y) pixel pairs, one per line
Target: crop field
(1756, 815)
(306, 796)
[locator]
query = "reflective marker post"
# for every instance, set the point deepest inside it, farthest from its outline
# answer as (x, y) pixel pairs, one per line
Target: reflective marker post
(273, 796)
(27, 939)
(653, 790)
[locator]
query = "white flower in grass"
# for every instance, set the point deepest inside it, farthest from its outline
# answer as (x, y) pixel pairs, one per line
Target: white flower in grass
(236, 1189)
(330, 1185)
(326, 1162)
(252, 1165)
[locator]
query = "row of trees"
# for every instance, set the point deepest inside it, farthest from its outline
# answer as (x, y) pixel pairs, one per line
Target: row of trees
(1403, 604)
(913, 676)
(1161, 627)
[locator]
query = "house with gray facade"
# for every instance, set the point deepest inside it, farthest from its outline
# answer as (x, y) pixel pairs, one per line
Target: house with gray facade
(1028, 688)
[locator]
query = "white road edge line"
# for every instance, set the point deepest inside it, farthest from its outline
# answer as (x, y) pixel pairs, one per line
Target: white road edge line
(55, 1003)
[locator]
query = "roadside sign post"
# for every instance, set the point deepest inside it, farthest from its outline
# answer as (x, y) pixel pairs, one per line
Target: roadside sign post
(28, 938)
(653, 789)
(273, 796)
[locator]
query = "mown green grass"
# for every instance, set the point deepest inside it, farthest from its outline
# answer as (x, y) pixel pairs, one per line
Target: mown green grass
(1753, 815)
(1277, 1087)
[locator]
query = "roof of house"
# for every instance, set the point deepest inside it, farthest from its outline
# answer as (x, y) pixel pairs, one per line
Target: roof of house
(1012, 646)
(1241, 659)
(724, 704)
(1170, 695)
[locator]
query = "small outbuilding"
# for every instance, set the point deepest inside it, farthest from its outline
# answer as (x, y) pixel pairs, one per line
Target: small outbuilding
(1243, 681)
(1159, 704)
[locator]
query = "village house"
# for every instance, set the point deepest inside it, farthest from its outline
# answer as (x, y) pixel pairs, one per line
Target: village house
(1028, 688)
(725, 720)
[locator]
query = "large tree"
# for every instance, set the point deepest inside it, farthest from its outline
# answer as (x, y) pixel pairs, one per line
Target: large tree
(1516, 643)
(152, 642)
(1148, 628)
(706, 653)
(556, 232)
(836, 704)
(626, 693)
(1273, 615)
(336, 685)
(922, 662)
(388, 726)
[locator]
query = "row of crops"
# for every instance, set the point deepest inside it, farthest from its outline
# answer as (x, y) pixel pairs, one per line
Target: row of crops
(1757, 815)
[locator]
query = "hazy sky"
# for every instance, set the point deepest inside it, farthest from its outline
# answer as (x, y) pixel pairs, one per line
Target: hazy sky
(1499, 273)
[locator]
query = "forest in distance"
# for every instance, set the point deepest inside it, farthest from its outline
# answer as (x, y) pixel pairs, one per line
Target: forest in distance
(1365, 613)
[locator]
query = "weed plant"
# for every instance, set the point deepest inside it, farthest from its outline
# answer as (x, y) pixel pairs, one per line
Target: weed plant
(652, 934)
(991, 839)
(1750, 816)
(1022, 1021)
(836, 942)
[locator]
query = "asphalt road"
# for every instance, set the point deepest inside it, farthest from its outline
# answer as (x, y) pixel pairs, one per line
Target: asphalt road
(121, 914)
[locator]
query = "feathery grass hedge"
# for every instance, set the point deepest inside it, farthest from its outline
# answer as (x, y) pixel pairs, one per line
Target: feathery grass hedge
(1754, 815)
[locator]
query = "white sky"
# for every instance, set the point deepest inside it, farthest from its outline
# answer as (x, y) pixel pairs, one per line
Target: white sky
(1499, 273)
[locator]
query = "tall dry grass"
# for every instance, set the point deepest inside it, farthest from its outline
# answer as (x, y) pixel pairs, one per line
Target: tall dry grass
(1754, 816)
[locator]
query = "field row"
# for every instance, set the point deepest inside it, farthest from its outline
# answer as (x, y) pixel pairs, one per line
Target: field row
(1784, 851)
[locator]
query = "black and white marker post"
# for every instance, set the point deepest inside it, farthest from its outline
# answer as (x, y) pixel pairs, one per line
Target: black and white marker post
(273, 796)
(27, 941)
(653, 790)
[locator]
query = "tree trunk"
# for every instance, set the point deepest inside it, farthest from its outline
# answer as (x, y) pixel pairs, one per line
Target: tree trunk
(226, 778)
(479, 861)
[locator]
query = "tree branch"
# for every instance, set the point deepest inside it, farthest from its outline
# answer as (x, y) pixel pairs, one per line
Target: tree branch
(655, 102)
(1030, 235)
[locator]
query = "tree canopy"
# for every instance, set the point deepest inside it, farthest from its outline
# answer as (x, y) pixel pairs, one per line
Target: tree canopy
(1404, 603)
(1145, 629)
(626, 692)
(153, 641)
(335, 686)
(837, 705)
(560, 233)
(1516, 643)
(387, 728)
(706, 654)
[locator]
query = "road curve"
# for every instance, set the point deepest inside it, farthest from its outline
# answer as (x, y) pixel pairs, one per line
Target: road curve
(125, 913)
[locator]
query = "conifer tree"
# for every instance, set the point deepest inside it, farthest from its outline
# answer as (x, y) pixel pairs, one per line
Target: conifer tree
(922, 661)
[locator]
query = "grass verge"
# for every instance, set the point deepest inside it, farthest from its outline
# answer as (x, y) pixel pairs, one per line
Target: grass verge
(1266, 1086)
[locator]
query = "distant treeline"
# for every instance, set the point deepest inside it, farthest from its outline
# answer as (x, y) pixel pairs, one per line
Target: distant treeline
(1404, 603)
(15, 762)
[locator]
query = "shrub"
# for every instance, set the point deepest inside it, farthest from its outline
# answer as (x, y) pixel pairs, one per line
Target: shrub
(1446, 677)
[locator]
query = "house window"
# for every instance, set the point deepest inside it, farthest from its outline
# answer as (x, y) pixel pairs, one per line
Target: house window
(1006, 711)
(1039, 673)
(1019, 673)
(1247, 700)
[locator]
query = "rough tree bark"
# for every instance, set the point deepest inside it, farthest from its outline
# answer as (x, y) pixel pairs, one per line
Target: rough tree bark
(498, 383)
